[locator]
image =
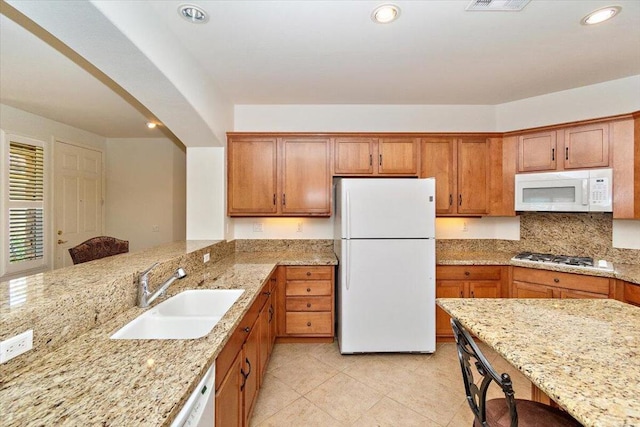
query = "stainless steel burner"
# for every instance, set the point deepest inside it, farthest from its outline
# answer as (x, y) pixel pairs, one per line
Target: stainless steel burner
(574, 261)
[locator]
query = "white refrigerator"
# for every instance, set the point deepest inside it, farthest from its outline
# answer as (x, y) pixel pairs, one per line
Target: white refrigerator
(385, 244)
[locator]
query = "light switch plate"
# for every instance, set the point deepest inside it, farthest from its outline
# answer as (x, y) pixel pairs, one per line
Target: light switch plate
(257, 227)
(15, 346)
(207, 257)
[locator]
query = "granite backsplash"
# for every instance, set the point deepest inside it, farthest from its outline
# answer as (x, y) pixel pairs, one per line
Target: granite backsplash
(578, 234)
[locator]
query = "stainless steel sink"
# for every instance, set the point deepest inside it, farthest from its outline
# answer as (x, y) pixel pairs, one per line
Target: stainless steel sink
(188, 315)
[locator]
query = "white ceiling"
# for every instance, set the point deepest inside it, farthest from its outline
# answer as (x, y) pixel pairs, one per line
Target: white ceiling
(330, 52)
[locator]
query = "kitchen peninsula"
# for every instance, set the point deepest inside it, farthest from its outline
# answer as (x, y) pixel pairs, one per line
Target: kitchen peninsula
(584, 354)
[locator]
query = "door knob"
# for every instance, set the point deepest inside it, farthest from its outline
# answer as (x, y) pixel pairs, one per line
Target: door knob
(60, 241)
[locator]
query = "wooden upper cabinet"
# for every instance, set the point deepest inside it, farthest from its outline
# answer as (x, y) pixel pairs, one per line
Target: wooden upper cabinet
(270, 176)
(576, 147)
(398, 156)
(625, 138)
(306, 176)
(387, 156)
(437, 159)
(537, 152)
(586, 146)
(473, 176)
(354, 155)
(252, 176)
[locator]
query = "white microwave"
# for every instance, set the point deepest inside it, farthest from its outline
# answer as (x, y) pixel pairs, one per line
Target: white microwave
(566, 191)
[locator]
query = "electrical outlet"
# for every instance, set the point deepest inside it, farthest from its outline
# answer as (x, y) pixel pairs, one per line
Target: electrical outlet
(299, 227)
(155, 228)
(465, 226)
(207, 257)
(257, 227)
(15, 346)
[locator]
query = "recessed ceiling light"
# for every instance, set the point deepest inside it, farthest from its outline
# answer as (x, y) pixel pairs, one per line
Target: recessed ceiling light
(385, 13)
(151, 125)
(192, 13)
(600, 15)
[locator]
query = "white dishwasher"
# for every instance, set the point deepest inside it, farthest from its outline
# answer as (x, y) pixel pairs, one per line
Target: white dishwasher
(199, 411)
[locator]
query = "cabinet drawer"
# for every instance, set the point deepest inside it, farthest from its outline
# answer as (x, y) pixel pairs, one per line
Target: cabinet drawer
(308, 303)
(308, 287)
(471, 272)
(309, 323)
(309, 273)
(579, 282)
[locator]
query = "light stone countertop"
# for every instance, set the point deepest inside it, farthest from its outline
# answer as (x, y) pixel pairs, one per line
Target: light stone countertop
(584, 354)
(95, 380)
(627, 272)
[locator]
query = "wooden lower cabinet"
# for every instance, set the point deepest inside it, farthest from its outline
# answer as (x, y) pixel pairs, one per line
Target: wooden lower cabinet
(241, 364)
(465, 282)
(534, 283)
(306, 303)
(631, 293)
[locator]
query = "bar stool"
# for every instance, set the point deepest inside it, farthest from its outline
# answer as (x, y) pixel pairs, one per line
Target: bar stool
(500, 412)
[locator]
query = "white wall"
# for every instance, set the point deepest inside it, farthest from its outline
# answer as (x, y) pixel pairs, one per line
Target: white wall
(145, 191)
(364, 118)
(626, 234)
(206, 213)
(283, 228)
(610, 98)
(13, 120)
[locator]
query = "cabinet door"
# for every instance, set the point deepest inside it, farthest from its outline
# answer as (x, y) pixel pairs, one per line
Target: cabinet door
(631, 293)
(229, 412)
(265, 339)
(586, 146)
(250, 370)
(398, 156)
(354, 156)
(252, 182)
(537, 152)
(484, 289)
(437, 159)
(531, 290)
(473, 176)
(567, 293)
(306, 176)
(446, 289)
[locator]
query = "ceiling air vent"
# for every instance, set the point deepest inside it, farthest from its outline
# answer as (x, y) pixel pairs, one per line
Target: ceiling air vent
(497, 5)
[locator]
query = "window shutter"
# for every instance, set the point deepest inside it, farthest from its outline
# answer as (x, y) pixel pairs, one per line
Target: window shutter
(26, 202)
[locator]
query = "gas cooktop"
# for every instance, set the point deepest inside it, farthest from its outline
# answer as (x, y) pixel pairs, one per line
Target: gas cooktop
(572, 261)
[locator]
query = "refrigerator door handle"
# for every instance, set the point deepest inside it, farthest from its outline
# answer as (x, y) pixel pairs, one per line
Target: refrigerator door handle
(347, 214)
(347, 263)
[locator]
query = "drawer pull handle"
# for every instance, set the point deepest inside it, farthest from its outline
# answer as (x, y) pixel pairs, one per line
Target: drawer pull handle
(308, 323)
(308, 273)
(267, 293)
(247, 329)
(466, 273)
(556, 280)
(308, 289)
(271, 311)
(308, 305)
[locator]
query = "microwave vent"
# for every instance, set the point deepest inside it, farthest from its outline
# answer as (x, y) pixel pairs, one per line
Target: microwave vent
(497, 5)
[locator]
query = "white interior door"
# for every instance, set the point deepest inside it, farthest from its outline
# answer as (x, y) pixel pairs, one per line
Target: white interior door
(77, 198)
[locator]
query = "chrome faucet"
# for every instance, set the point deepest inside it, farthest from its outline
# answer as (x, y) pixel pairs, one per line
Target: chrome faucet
(145, 297)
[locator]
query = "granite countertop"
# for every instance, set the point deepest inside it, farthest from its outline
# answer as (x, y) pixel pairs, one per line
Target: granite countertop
(584, 354)
(627, 272)
(95, 380)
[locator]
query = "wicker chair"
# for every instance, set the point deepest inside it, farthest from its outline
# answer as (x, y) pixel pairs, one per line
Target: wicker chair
(502, 412)
(98, 247)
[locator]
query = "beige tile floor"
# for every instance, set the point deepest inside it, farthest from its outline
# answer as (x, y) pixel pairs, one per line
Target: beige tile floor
(314, 385)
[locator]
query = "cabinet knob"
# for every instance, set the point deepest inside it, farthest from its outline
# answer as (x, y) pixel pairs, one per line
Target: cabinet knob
(308, 305)
(267, 293)
(247, 329)
(466, 273)
(308, 289)
(308, 273)
(308, 323)
(556, 280)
